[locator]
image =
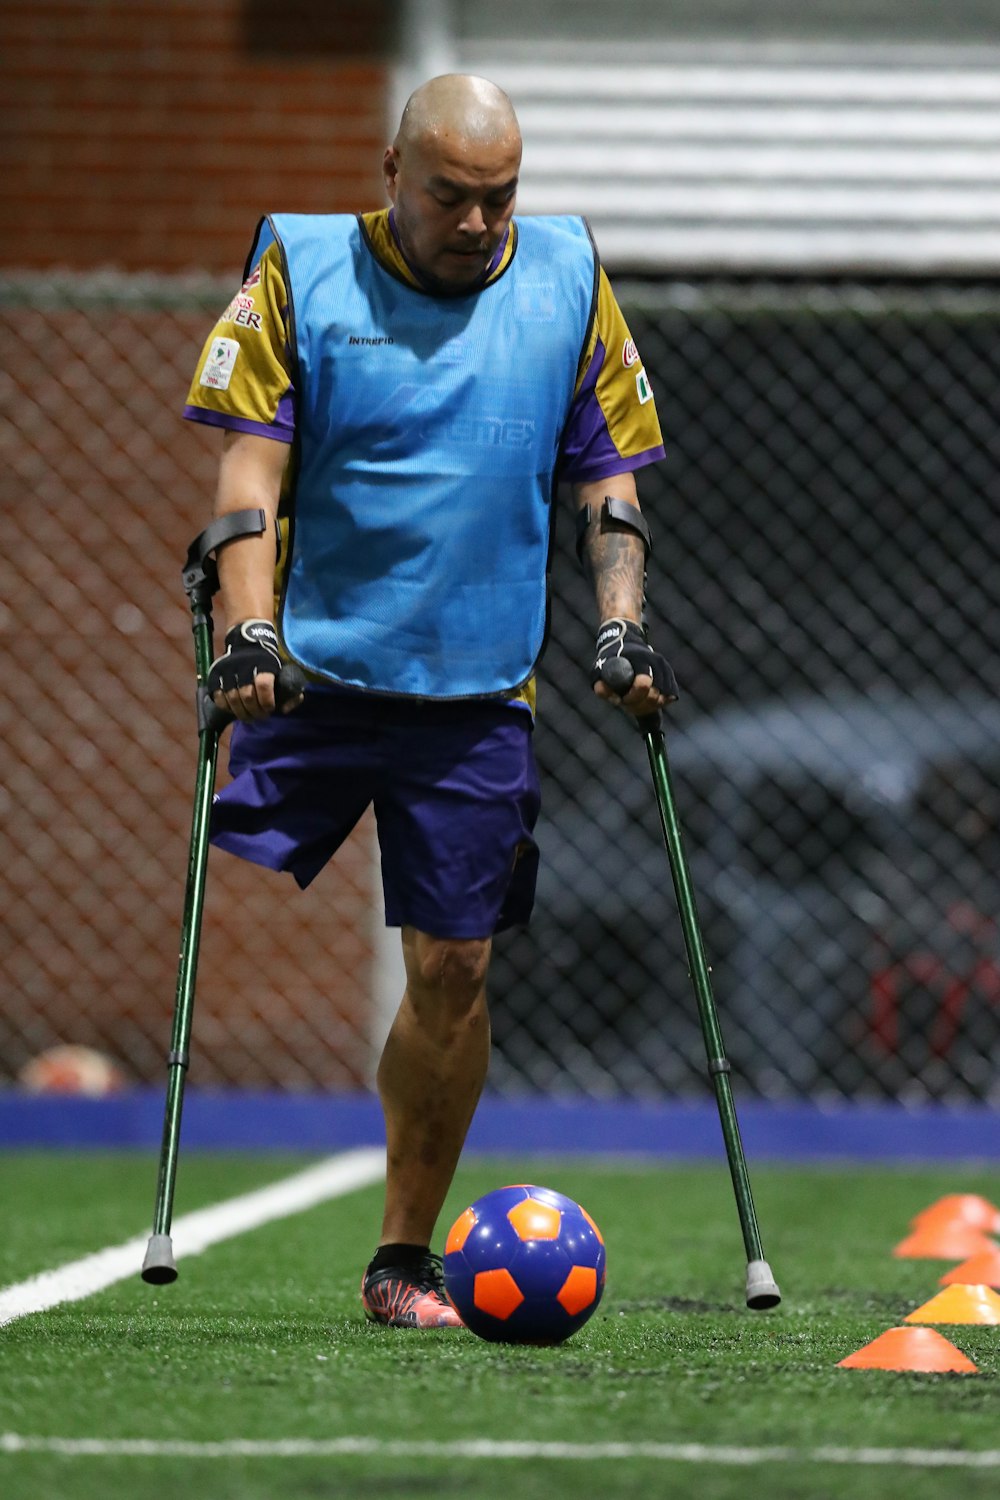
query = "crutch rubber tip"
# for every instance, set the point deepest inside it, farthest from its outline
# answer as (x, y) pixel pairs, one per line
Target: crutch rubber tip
(762, 1289)
(158, 1268)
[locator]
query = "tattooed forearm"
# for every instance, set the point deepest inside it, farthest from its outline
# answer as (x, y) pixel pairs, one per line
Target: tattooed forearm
(615, 562)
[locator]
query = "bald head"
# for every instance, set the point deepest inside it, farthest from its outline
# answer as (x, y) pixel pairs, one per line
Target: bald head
(451, 174)
(458, 105)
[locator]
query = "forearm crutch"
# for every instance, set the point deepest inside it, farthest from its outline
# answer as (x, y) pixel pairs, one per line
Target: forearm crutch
(761, 1288)
(201, 581)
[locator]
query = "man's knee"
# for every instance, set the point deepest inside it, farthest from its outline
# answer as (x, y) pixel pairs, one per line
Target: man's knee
(452, 970)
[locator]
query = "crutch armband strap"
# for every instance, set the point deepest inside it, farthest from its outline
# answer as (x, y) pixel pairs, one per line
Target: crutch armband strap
(615, 515)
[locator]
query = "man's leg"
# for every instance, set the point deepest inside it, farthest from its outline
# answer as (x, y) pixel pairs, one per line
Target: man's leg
(430, 1077)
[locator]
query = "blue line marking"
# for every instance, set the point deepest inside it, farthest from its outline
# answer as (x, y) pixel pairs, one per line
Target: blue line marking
(252, 1121)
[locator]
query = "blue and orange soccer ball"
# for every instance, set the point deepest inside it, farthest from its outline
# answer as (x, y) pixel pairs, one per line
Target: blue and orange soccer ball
(524, 1265)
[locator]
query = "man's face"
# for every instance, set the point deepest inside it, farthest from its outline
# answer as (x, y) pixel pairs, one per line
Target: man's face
(453, 199)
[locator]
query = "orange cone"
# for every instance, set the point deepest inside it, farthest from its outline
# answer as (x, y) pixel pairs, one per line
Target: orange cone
(961, 1208)
(978, 1270)
(910, 1349)
(959, 1304)
(943, 1242)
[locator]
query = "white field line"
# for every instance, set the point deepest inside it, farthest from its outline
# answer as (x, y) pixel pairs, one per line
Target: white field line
(195, 1232)
(347, 1447)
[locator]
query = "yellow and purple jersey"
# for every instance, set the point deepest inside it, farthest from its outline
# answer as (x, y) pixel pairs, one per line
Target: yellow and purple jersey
(243, 381)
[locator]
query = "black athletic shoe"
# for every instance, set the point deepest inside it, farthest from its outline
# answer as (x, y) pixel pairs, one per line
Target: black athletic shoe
(409, 1296)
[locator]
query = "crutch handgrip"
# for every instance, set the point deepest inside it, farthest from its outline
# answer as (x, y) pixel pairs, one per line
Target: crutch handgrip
(289, 683)
(618, 674)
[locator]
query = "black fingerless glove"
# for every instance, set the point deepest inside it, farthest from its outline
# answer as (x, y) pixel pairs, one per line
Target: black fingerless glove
(621, 641)
(251, 647)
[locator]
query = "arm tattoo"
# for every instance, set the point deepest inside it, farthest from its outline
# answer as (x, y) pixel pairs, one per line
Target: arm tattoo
(616, 564)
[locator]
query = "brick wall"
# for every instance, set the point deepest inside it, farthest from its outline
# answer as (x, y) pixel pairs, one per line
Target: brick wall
(152, 133)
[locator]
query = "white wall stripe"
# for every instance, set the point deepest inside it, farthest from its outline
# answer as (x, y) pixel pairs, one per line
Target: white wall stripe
(847, 161)
(828, 83)
(195, 1232)
(485, 1448)
(573, 122)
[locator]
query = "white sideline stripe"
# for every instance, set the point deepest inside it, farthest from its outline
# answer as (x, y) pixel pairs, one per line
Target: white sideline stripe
(690, 1453)
(195, 1232)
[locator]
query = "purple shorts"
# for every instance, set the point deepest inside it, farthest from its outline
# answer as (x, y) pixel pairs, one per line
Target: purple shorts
(455, 791)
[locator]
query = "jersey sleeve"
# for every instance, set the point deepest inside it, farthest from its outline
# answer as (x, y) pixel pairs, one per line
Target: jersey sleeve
(612, 426)
(243, 380)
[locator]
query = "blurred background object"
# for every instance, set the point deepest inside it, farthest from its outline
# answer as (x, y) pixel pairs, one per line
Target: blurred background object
(801, 213)
(72, 1070)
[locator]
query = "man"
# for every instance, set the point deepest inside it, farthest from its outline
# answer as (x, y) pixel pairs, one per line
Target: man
(399, 390)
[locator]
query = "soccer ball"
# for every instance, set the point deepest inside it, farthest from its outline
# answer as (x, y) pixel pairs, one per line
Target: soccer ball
(524, 1265)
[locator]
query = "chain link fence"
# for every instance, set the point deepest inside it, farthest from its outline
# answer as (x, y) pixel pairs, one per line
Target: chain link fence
(104, 487)
(825, 580)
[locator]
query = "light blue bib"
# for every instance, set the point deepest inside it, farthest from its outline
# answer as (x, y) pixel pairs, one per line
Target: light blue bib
(428, 433)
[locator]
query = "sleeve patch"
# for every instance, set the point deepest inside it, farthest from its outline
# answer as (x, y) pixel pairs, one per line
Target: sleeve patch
(219, 365)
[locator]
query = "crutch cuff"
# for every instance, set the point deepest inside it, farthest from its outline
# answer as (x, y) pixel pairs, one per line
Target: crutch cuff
(615, 515)
(200, 566)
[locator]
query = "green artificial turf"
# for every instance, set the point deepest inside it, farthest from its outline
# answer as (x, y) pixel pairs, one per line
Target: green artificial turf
(262, 1338)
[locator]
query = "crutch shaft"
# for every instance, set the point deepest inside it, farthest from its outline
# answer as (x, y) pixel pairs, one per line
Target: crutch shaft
(187, 969)
(762, 1290)
(718, 1063)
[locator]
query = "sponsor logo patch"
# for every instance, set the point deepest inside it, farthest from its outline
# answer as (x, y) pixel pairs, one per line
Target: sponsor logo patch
(218, 369)
(252, 280)
(488, 432)
(245, 317)
(642, 387)
(630, 354)
(241, 312)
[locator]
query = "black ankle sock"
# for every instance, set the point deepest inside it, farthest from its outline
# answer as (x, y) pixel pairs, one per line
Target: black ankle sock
(407, 1256)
